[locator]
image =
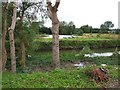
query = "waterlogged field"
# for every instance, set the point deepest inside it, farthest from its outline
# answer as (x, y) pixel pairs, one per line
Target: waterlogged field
(44, 58)
(40, 74)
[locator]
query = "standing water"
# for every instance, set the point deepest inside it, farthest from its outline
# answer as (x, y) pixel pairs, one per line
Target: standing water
(106, 54)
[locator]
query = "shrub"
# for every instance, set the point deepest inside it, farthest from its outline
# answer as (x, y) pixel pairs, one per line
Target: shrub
(79, 32)
(117, 31)
(86, 50)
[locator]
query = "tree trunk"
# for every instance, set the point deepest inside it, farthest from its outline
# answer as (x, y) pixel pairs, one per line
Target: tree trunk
(4, 31)
(12, 51)
(11, 39)
(52, 13)
(23, 61)
(0, 56)
(55, 41)
(22, 42)
(22, 45)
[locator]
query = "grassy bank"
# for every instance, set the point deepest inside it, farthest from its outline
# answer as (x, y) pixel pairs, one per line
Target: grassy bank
(103, 41)
(59, 78)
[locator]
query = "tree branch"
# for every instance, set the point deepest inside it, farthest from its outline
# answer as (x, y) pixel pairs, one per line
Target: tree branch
(13, 17)
(49, 14)
(57, 3)
(49, 5)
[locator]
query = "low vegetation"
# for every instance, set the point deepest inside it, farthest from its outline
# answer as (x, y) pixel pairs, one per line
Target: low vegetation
(103, 41)
(39, 69)
(59, 78)
(26, 51)
(41, 73)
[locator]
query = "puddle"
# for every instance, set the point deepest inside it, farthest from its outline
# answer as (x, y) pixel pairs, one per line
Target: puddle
(79, 65)
(107, 54)
(83, 64)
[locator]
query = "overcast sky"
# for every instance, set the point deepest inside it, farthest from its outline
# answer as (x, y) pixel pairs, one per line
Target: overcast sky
(91, 12)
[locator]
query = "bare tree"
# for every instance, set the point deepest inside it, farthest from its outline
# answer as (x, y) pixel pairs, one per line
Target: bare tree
(11, 39)
(52, 14)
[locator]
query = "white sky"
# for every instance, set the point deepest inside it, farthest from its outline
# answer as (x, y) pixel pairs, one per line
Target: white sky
(91, 12)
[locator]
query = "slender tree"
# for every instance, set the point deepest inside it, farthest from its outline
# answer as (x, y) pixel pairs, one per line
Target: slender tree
(23, 7)
(25, 13)
(4, 31)
(0, 40)
(52, 14)
(22, 44)
(11, 39)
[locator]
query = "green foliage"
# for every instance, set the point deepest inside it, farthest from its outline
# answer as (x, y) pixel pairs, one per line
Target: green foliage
(66, 28)
(54, 79)
(69, 29)
(104, 28)
(35, 27)
(114, 72)
(86, 28)
(86, 50)
(108, 24)
(95, 30)
(116, 52)
(113, 60)
(45, 30)
(78, 43)
(44, 58)
(59, 78)
(41, 59)
(29, 34)
(117, 31)
(79, 32)
(98, 35)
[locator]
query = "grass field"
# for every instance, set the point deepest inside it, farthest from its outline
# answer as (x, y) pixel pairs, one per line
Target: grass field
(66, 77)
(59, 78)
(103, 41)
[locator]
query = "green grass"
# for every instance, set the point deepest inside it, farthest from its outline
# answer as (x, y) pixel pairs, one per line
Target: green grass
(105, 40)
(67, 78)
(77, 38)
(74, 78)
(45, 58)
(0, 80)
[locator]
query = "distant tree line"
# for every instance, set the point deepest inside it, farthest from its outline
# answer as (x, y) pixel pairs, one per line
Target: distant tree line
(70, 28)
